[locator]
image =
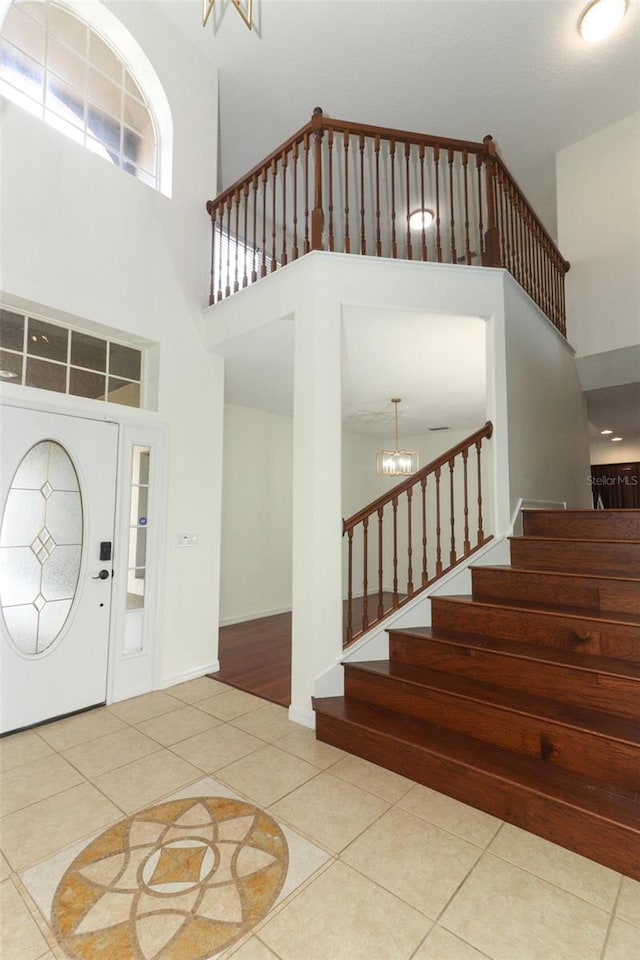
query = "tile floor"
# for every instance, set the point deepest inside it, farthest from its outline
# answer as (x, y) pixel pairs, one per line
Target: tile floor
(379, 868)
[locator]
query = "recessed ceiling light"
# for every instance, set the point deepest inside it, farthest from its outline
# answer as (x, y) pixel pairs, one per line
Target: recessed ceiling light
(613, 439)
(600, 19)
(420, 219)
(603, 432)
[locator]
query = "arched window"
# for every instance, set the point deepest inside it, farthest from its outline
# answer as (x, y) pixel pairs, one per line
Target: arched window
(74, 65)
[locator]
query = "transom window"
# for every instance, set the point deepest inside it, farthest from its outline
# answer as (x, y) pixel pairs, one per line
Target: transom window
(58, 67)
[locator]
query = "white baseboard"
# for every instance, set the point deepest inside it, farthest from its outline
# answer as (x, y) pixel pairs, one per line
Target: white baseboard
(212, 667)
(303, 716)
(248, 617)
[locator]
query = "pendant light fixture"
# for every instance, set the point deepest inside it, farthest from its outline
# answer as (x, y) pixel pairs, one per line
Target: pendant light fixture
(397, 463)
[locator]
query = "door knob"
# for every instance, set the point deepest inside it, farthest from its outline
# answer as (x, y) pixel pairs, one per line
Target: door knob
(103, 575)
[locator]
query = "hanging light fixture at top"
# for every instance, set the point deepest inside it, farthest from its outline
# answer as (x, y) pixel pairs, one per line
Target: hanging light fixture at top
(397, 463)
(244, 8)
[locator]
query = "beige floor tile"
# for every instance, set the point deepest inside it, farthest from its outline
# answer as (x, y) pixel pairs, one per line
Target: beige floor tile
(107, 753)
(142, 708)
(5, 869)
(147, 780)
(413, 859)
(22, 748)
(199, 689)
(442, 945)
(302, 743)
(62, 734)
(231, 704)
(20, 938)
(177, 725)
(48, 826)
(565, 869)
(344, 916)
(369, 776)
(269, 723)
(254, 949)
(330, 810)
(511, 915)
(459, 818)
(267, 774)
(628, 905)
(623, 942)
(34, 781)
(217, 748)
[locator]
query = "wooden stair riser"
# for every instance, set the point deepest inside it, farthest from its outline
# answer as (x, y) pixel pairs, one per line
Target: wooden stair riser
(577, 556)
(582, 688)
(579, 751)
(613, 844)
(552, 590)
(582, 525)
(541, 628)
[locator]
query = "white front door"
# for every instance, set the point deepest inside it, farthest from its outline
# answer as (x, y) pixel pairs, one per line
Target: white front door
(57, 492)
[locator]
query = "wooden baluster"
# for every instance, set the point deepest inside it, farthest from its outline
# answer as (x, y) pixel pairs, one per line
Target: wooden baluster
(349, 631)
(438, 530)
(529, 248)
(365, 575)
(394, 504)
(425, 572)
(481, 249)
(380, 565)
(467, 242)
(514, 233)
(212, 271)
(285, 161)
(423, 246)
(331, 237)
(236, 245)
(480, 530)
(294, 155)
(245, 192)
(305, 142)
(220, 235)
(363, 232)
(392, 161)
(227, 286)
(436, 161)
(317, 216)
(409, 545)
(467, 542)
(454, 252)
(492, 240)
(254, 274)
(501, 201)
(407, 173)
(452, 554)
(263, 266)
(376, 147)
(563, 308)
(274, 193)
(345, 145)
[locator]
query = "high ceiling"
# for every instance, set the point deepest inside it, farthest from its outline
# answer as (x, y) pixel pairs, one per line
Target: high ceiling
(460, 68)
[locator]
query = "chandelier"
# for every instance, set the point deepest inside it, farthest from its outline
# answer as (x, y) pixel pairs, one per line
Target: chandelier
(397, 463)
(245, 10)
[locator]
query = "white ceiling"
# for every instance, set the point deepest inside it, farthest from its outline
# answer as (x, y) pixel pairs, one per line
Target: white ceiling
(460, 68)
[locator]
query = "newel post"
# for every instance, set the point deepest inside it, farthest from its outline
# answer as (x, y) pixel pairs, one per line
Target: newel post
(491, 256)
(317, 214)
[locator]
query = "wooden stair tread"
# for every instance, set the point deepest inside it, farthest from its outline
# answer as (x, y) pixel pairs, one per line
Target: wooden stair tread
(617, 806)
(523, 538)
(570, 575)
(591, 721)
(574, 613)
(591, 663)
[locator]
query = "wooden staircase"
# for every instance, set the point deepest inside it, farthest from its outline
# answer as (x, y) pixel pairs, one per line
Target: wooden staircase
(524, 699)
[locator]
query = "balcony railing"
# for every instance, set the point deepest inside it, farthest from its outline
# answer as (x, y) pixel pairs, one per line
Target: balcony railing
(351, 188)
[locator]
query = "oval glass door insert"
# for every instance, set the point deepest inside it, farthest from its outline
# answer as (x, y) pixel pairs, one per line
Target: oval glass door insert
(40, 547)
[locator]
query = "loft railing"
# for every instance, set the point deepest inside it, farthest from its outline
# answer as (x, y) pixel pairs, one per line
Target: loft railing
(411, 536)
(351, 188)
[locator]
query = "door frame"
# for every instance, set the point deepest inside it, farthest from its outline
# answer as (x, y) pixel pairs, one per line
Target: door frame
(132, 674)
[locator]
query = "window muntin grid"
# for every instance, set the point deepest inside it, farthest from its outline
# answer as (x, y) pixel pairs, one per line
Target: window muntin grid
(60, 69)
(38, 353)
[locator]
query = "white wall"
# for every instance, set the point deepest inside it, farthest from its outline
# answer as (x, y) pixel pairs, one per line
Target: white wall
(257, 493)
(598, 188)
(84, 238)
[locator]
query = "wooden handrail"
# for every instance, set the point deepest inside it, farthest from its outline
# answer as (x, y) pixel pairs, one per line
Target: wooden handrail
(405, 136)
(485, 431)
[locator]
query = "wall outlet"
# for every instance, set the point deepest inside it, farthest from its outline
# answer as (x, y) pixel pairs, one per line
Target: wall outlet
(187, 539)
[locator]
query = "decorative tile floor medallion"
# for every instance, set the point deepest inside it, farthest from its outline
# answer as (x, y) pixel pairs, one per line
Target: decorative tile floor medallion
(181, 880)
